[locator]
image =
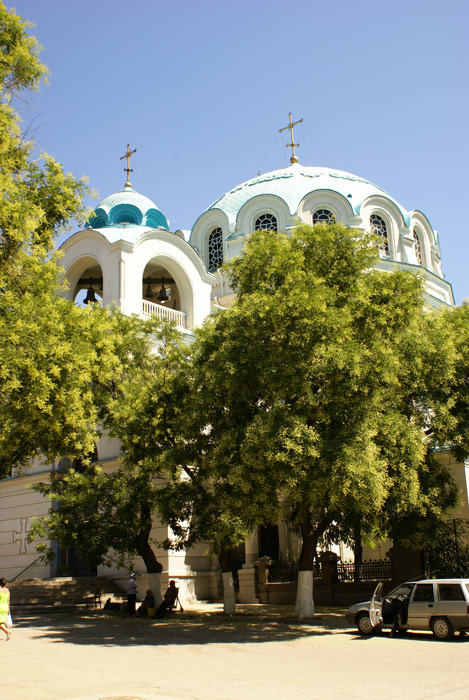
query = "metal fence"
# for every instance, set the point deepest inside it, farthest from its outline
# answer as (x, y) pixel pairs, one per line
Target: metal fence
(284, 572)
(366, 571)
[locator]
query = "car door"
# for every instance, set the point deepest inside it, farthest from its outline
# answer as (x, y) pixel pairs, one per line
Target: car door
(375, 606)
(421, 606)
(452, 603)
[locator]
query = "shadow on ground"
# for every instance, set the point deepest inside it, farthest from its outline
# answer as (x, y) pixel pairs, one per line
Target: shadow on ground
(103, 629)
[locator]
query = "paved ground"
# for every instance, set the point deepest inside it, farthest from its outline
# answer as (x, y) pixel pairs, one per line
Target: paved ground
(260, 654)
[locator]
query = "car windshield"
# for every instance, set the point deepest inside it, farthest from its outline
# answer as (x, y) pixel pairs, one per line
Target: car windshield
(405, 589)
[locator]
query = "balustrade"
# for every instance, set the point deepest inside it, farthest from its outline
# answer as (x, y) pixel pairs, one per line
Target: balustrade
(151, 310)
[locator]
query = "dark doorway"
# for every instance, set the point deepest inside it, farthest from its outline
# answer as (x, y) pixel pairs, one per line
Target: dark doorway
(268, 542)
(68, 562)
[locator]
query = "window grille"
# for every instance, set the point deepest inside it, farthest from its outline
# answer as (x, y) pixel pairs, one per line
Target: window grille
(215, 249)
(323, 216)
(266, 222)
(378, 227)
(417, 248)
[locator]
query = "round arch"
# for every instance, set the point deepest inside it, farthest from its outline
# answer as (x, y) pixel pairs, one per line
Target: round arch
(168, 272)
(85, 272)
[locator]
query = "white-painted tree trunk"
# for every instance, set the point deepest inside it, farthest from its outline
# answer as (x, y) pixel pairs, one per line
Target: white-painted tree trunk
(229, 598)
(155, 586)
(304, 606)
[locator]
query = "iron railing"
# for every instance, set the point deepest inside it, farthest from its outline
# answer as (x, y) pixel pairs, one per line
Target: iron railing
(285, 572)
(25, 569)
(366, 571)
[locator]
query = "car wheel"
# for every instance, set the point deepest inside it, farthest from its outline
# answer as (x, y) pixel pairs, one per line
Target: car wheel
(442, 629)
(364, 624)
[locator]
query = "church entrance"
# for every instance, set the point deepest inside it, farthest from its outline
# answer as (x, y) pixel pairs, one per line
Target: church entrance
(67, 560)
(269, 542)
(70, 564)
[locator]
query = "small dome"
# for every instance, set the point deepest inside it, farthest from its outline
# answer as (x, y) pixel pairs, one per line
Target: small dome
(127, 207)
(293, 183)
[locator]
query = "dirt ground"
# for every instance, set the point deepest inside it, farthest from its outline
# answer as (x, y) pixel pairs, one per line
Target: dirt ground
(261, 653)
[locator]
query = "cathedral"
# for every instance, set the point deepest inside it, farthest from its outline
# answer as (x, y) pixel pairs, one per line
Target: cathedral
(128, 255)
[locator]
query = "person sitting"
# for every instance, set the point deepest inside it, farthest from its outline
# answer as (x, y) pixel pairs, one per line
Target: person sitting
(148, 605)
(170, 598)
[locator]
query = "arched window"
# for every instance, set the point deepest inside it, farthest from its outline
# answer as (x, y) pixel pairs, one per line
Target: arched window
(266, 222)
(417, 248)
(215, 249)
(378, 227)
(323, 216)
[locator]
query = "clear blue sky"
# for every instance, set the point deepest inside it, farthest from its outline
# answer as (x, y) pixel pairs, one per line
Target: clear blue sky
(201, 87)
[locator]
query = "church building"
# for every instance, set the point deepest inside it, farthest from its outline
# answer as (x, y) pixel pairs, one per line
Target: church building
(128, 255)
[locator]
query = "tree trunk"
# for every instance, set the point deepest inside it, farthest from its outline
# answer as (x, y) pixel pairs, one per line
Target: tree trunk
(142, 541)
(229, 596)
(153, 566)
(304, 606)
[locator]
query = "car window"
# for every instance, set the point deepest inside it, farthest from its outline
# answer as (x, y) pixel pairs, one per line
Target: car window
(450, 591)
(423, 592)
(405, 589)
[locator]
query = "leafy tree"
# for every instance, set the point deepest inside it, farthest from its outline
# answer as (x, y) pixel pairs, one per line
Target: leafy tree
(154, 409)
(140, 405)
(101, 510)
(158, 414)
(447, 552)
(50, 352)
(450, 380)
(314, 390)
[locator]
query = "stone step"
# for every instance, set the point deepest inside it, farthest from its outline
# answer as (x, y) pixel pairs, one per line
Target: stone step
(61, 593)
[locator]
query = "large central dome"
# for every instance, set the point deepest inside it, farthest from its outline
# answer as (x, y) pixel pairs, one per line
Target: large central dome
(293, 183)
(279, 200)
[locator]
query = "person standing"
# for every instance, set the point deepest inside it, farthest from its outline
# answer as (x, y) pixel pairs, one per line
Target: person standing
(131, 594)
(4, 607)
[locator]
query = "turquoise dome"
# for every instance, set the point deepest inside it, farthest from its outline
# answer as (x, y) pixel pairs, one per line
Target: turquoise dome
(127, 207)
(293, 183)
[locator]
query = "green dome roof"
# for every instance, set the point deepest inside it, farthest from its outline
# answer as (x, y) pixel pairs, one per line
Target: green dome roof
(293, 183)
(127, 207)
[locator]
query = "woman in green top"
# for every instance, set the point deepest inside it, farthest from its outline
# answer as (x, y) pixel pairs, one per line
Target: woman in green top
(4, 607)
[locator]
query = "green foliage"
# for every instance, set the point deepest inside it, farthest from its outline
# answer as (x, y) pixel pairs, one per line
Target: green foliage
(19, 65)
(138, 401)
(447, 552)
(96, 511)
(50, 352)
(450, 378)
(314, 387)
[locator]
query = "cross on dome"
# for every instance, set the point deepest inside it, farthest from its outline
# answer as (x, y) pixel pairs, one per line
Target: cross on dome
(294, 158)
(128, 169)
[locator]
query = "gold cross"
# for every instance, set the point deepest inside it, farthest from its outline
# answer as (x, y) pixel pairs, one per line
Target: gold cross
(128, 169)
(292, 145)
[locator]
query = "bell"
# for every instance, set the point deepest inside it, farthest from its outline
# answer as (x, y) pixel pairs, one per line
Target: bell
(90, 296)
(162, 295)
(149, 294)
